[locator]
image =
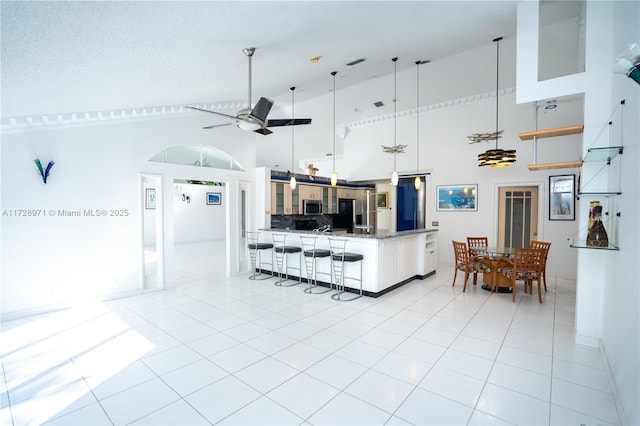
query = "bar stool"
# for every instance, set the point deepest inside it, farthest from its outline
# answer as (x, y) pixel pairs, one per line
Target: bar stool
(311, 253)
(282, 252)
(338, 257)
(255, 250)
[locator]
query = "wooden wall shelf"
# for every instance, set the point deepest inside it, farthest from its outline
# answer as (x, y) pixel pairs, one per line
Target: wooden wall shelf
(549, 133)
(558, 165)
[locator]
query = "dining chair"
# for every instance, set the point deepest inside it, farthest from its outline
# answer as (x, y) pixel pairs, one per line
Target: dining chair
(476, 244)
(526, 265)
(467, 263)
(545, 246)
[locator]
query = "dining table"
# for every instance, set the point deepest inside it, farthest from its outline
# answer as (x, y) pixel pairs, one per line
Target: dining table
(496, 258)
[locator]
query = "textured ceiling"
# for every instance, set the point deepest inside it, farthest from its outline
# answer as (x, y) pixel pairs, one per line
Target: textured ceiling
(60, 57)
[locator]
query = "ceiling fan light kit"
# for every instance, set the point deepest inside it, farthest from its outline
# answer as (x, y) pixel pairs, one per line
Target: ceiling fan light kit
(254, 119)
(494, 157)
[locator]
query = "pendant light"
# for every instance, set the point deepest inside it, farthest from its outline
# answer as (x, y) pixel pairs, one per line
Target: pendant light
(417, 183)
(497, 157)
(334, 174)
(292, 182)
(394, 175)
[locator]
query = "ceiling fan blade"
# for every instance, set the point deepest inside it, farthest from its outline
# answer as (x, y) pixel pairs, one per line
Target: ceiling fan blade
(288, 122)
(218, 125)
(212, 112)
(263, 131)
(261, 110)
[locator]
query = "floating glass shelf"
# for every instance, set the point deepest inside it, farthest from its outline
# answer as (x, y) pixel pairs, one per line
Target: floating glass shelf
(582, 243)
(598, 194)
(602, 155)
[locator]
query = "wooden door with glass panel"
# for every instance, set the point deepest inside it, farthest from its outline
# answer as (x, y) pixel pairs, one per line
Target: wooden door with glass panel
(518, 216)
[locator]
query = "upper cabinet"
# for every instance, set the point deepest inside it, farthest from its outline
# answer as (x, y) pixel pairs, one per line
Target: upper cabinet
(310, 192)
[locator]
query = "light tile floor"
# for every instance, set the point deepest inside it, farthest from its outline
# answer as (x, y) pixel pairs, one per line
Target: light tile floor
(236, 351)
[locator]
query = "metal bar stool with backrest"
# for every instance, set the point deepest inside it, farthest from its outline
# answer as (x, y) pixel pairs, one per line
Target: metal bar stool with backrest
(527, 267)
(311, 254)
(545, 246)
(255, 251)
(468, 263)
(282, 252)
(339, 256)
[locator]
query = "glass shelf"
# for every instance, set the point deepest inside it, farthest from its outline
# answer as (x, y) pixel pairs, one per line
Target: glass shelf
(602, 155)
(598, 194)
(582, 244)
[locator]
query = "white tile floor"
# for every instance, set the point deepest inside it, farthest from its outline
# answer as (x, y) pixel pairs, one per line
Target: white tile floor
(235, 351)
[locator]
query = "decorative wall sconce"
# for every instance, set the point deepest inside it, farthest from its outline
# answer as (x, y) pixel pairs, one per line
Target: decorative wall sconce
(628, 62)
(44, 172)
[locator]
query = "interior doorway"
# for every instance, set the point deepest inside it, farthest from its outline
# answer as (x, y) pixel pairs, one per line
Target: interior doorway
(199, 229)
(517, 216)
(152, 232)
(244, 224)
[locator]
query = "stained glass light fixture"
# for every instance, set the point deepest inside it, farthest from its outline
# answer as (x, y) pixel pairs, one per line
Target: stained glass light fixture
(494, 157)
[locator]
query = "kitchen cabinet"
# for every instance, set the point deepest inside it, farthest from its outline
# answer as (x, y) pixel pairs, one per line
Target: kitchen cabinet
(347, 193)
(310, 192)
(329, 200)
(283, 199)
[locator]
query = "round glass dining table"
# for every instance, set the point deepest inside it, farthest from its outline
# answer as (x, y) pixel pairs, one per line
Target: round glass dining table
(496, 258)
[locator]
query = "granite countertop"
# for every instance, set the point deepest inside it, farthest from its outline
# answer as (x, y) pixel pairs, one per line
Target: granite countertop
(378, 236)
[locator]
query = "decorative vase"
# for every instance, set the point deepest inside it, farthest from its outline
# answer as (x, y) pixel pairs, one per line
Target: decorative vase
(597, 236)
(592, 213)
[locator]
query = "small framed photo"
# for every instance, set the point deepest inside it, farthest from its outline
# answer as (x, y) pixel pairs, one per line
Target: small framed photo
(150, 199)
(214, 198)
(562, 197)
(382, 200)
(457, 197)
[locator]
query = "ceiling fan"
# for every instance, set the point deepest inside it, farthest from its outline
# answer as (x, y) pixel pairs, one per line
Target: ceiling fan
(255, 119)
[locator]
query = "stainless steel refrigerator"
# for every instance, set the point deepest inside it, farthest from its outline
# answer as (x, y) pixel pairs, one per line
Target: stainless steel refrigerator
(360, 214)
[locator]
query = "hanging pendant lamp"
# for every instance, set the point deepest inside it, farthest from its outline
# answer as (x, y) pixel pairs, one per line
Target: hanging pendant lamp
(334, 174)
(394, 175)
(292, 181)
(497, 157)
(417, 183)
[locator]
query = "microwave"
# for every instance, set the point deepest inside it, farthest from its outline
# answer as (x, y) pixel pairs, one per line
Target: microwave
(311, 207)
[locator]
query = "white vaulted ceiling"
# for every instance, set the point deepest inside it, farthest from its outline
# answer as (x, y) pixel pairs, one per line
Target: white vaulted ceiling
(62, 57)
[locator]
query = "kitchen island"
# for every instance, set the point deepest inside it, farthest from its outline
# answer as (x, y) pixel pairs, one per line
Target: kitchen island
(390, 259)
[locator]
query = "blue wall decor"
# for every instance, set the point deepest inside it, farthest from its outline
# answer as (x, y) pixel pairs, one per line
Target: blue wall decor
(44, 172)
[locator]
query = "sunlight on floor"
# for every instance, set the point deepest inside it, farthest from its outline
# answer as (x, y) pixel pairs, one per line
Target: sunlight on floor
(40, 379)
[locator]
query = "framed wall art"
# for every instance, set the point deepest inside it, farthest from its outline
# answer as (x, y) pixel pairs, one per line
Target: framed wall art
(457, 197)
(382, 200)
(150, 199)
(562, 197)
(214, 198)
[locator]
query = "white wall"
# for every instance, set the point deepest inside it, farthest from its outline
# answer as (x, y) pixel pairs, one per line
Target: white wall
(196, 220)
(52, 260)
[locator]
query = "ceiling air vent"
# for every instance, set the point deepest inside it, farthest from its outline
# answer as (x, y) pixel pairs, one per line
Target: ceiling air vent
(356, 62)
(378, 104)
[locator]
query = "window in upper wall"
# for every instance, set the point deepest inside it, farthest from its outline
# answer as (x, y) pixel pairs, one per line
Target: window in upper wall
(199, 156)
(561, 38)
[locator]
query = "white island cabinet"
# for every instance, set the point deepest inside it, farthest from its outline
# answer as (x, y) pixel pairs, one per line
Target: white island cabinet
(390, 259)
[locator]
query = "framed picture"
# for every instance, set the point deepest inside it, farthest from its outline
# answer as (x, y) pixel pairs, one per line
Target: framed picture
(382, 200)
(214, 198)
(562, 197)
(457, 197)
(150, 199)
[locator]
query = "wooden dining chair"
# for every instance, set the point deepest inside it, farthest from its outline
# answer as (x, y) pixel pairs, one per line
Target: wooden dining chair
(526, 265)
(467, 263)
(476, 244)
(545, 246)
